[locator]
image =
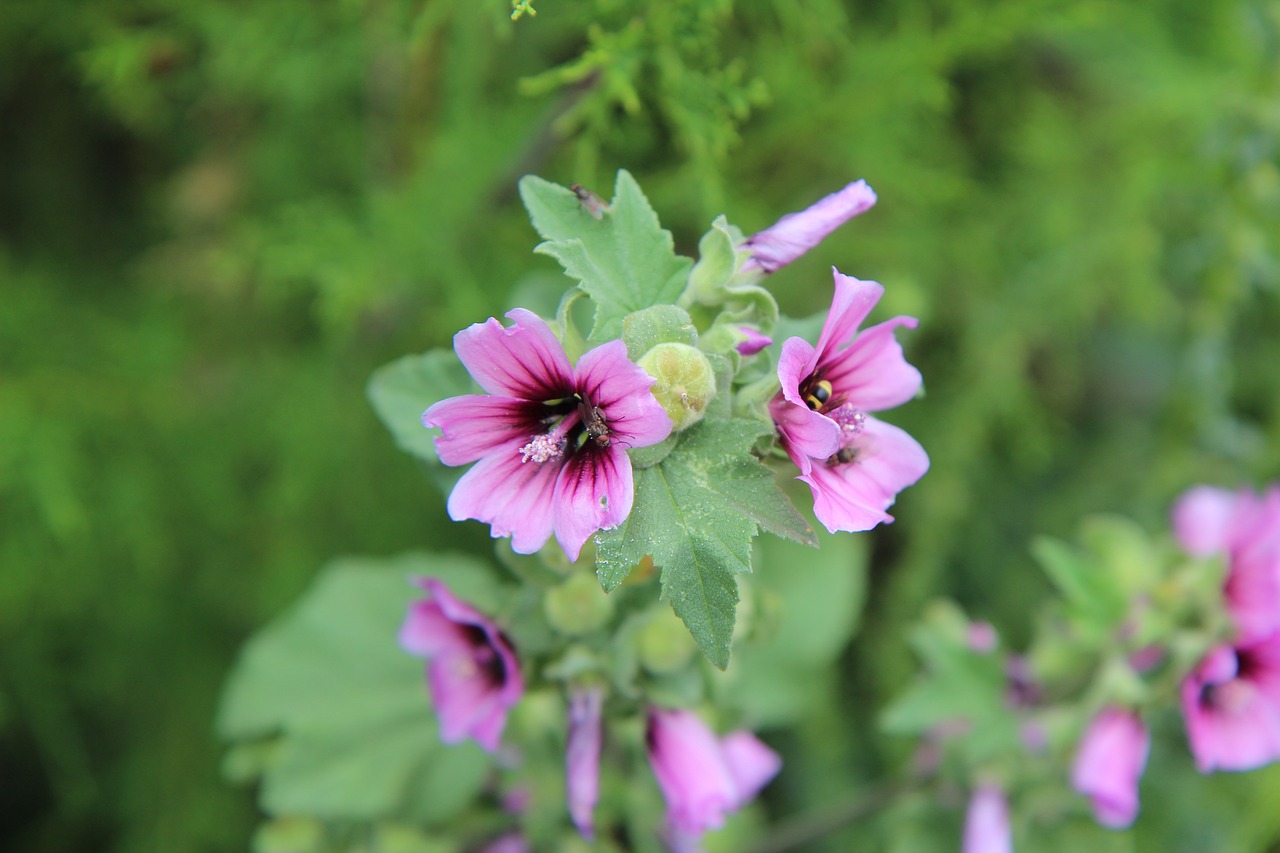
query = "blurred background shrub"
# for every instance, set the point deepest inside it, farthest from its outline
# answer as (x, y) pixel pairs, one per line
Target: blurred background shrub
(217, 218)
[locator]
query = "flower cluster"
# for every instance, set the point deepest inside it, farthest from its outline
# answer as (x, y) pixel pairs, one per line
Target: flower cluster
(1231, 700)
(549, 440)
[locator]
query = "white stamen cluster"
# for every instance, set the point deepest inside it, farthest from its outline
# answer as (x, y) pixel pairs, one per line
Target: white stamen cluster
(852, 420)
(543, 448)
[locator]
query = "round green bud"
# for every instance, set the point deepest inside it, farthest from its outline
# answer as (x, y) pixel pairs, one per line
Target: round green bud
(577, 606)
(685, 381)
(664, 643)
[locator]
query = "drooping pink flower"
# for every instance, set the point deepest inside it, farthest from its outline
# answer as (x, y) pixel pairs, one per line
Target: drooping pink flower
(1109, 763)
(986, 822)
(1246, 528)
(855, 464)
(796, 233)
(472, 668)
(549, 440)
(582, 758)
(1231, 706)
(703, 778)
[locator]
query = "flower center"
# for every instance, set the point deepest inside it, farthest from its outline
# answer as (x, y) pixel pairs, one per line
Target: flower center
(1230, 697)
(852, 421)
(574, 423)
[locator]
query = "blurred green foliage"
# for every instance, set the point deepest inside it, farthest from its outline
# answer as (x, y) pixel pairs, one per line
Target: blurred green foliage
(217, 218)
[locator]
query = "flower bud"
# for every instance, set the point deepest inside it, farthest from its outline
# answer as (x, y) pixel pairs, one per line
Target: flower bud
(685, 381)
(577, 606)
(664, 642)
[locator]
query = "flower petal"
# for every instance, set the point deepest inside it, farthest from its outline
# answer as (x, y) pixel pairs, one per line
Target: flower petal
(427, 632)
(872, 373)
(853, 496)
(1108, 764)
(796, 233)
(611, 382)
(512, 496)
(851, 304)
(986, 823)
(805, 433)
(477, 425)
(582, 758)
(1203, 519)
(524, 361)
(750, 762)
(594, 491)
(689, 765)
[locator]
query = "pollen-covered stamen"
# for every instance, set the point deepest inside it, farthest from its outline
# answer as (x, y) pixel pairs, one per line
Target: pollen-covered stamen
(852, 421)
(551, 444)
(543, 448)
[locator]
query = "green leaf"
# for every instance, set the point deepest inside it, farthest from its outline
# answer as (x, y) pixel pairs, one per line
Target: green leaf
(347, 708)
(402, 390)
(696, 513)
(624, 260)
(809, 605)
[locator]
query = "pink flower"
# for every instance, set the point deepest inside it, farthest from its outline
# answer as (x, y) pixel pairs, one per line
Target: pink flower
(582, 758)
(1246, 528)
(1109, 763)
(703, 778)
(986, 822)
(796, 233)
(855, 465)
(1231, 705)
(549, 441)
(472, 669)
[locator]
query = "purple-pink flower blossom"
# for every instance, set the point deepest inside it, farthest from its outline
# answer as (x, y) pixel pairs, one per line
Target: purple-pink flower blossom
(1231, 706)
(1109, 763)
(549, 440)
(472, 668)
(855, 464)
(986, 822)
(1246, 528)
(796, 233)
(582, 758)
(703, 778)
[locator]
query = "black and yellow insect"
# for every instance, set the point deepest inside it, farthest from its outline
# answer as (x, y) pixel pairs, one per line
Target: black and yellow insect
(818, 395)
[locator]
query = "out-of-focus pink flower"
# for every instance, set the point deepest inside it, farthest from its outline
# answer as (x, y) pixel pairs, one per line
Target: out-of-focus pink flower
(982, 637)
(1231, 706)
(471, 666)
(986, 823)
(796, 233)
(1246, 528)
(855, 464)
(703, 778)
(752, 341)
(549, 440)
(582, 758)
(511, 842)
(1109, 763)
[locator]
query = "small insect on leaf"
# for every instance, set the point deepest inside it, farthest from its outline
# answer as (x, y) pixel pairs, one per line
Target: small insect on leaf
(594, 205)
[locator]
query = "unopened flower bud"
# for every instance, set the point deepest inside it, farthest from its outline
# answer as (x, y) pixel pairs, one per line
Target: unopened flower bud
(577, 606)
(685, 381)
(664, 642)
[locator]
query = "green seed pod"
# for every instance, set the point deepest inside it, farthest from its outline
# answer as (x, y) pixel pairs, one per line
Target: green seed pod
(686, 382)
(577, 606)
(664, 642)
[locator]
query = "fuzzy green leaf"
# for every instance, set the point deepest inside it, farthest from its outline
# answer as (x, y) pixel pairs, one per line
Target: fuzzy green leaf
(696, 513)
(402, 390)
(347, 708)
(624, 260)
